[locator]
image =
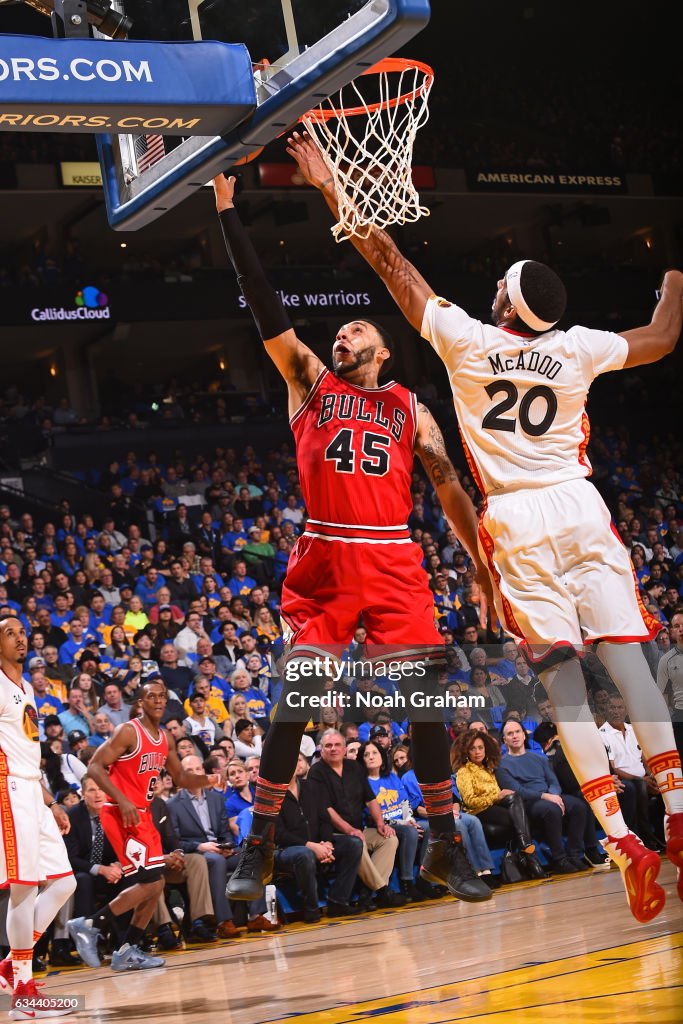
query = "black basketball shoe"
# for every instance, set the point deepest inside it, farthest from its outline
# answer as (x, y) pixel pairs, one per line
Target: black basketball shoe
(446, 863)
(254, 869)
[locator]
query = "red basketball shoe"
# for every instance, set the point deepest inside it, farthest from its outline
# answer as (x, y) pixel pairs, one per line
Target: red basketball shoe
(673, 832)
(639, 868)
(6, 975)
(26, 1003)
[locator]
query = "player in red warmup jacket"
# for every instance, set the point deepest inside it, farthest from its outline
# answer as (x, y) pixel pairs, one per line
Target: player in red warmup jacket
(520, 386)
(127, 769)
(356, 441)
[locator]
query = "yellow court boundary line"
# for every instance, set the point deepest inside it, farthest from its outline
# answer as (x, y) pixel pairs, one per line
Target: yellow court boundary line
(614, 976)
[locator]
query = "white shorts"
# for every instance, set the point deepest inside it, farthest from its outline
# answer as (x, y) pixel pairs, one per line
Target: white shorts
(563, 572)
(32, 849)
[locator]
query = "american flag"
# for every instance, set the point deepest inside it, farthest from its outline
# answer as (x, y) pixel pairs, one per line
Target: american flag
(149, 149)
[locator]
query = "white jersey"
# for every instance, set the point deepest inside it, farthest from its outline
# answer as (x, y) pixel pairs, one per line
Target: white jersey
(520, 398)
(19, 741)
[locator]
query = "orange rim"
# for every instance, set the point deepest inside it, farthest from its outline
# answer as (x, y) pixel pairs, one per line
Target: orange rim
(389, 64)
(248, 158)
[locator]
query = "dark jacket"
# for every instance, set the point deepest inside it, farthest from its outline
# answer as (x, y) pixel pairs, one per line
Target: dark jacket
(182, 592)
(521, 697)
(79, 840)
(562, 768)
(304, 820)
(163, 822)
(188, 826)
(232, 654)
(178, 679)
(54, 637)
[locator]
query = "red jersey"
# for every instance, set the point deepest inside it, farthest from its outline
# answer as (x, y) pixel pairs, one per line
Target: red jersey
(136, 774)
(355, 456)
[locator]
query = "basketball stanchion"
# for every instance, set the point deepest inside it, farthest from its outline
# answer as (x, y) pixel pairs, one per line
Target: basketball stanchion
(366, 134)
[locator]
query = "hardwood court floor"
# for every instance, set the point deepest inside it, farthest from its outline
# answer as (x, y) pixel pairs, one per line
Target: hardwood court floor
(557, 951)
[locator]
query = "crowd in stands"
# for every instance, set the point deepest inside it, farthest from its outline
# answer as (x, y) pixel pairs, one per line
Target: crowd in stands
(66, 263)
(205, 400)
(180, 580)
(513, 99)
(540, 121)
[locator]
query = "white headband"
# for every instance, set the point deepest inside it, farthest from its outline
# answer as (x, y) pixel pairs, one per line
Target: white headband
(512, 280)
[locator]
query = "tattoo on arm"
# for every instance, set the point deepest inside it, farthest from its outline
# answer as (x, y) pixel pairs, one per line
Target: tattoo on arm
(434, 455)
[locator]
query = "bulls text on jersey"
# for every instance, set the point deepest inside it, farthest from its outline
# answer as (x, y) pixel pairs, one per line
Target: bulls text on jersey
(353, 407)
(152, 762)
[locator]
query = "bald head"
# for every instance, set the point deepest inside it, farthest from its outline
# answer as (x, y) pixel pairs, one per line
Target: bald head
(192, 764)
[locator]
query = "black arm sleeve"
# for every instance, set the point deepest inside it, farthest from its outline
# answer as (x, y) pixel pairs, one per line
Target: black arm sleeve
(271, 319)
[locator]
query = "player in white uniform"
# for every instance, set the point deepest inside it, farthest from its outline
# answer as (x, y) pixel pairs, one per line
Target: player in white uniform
(565, 580)
(32, 850)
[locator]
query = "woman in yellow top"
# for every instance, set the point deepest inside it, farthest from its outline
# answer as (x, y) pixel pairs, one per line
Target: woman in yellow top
(265, 625)
(474, 760)
(136, 616)
(118, 617)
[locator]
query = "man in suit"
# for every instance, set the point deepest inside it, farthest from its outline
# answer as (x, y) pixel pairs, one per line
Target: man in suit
(199, 818)
(189, 869)
(99, 877)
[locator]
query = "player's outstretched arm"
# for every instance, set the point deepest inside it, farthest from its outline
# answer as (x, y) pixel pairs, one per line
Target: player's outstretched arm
(408, 288)
(295, 361)
(122, 741)
(181, 778)
(650, 344)
(430, 448)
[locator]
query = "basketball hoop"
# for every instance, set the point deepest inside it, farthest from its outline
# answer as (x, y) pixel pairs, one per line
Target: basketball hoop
(366, 134)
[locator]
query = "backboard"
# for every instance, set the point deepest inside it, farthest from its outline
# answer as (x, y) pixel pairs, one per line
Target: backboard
(302, 51)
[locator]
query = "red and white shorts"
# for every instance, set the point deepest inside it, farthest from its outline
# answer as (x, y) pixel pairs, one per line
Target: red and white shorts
(563, 572)
(32, 848)
(137, 848)
(332, 582)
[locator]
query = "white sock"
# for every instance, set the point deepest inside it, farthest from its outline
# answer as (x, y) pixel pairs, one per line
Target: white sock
(20, 911)
(582, 744)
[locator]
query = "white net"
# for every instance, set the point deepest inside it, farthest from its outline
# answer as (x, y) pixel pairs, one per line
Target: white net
(366, 134)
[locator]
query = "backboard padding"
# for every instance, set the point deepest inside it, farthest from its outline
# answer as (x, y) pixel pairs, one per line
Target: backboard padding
(314, 48)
